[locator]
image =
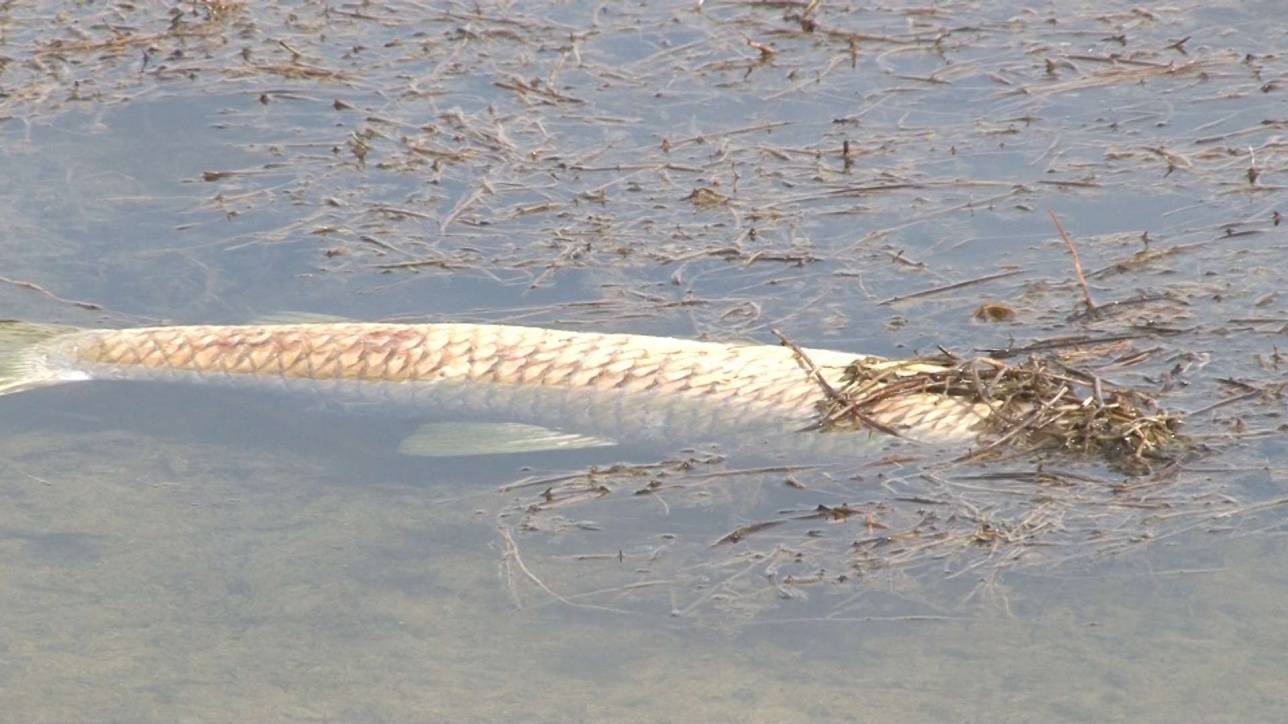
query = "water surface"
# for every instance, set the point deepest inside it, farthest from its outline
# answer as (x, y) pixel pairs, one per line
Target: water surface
(202, 554)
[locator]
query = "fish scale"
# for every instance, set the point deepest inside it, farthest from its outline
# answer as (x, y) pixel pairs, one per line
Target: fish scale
(558, 376)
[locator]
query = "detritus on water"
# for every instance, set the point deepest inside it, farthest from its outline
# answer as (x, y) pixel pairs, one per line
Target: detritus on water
(1040, 403)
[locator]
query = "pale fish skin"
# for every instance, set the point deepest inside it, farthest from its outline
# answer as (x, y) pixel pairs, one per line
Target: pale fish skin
(622, 384)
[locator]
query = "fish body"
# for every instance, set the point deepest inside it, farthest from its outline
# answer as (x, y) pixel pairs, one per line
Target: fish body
(631, 385)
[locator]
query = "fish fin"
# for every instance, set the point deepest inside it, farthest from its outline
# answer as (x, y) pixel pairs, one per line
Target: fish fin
(296, 317)
(24, 351)
(448, 439)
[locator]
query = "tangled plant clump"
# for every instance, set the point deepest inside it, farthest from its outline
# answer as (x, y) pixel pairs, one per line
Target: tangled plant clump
(1039, 403)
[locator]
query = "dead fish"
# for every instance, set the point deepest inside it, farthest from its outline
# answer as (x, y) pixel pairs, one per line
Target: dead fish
(547, 388)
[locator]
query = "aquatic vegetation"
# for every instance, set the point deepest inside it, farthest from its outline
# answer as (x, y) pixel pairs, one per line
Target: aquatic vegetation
(1037, 403)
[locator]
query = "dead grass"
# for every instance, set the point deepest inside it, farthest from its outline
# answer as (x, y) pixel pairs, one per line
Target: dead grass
(1036, 404)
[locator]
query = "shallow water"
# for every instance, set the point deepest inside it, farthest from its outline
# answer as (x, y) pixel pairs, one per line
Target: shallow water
(201, 554)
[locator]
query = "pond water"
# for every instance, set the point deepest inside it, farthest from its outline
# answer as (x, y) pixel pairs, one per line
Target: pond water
(858, 176)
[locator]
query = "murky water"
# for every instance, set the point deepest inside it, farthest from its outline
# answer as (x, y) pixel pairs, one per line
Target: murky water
(207, 554)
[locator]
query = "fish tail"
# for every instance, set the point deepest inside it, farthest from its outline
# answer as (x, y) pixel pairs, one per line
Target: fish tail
(24, 356)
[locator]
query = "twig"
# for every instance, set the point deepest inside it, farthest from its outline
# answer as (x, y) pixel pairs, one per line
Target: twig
(950, 287)
(832, 395)
(37, 288)
(1077, 263)
(809, 365)
(1223, 403)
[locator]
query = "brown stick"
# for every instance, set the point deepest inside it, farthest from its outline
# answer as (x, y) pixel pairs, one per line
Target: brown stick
(950, 287)
(41, 290)
(1077, 263)
(832, 394)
